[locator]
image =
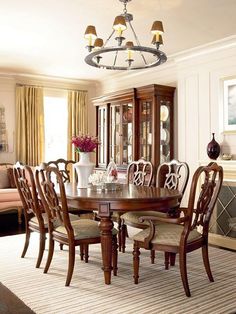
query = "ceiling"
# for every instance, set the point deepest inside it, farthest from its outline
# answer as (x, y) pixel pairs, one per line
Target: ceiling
(46, 37)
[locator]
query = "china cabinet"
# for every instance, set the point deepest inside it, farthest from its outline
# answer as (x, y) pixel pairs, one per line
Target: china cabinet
(135, 123)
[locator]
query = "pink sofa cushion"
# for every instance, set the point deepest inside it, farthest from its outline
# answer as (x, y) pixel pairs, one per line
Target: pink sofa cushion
(9, 195)
(10, 205)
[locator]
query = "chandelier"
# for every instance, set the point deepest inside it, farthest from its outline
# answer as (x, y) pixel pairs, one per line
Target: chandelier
(123, 55)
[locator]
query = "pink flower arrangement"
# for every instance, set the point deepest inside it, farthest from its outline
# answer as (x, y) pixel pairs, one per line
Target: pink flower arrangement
(85, 143)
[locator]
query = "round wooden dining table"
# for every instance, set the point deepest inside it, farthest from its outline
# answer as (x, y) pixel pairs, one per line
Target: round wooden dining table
(126, 198)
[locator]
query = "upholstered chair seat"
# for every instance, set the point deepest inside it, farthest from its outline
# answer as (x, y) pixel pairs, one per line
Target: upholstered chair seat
(34, 220)
(167, 234)
(83, 229)
(133, 217)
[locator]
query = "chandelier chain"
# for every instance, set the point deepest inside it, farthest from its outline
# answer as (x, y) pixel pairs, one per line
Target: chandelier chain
(125, 9)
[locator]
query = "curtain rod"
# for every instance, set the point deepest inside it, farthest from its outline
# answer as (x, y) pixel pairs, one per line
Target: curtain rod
(49, 87)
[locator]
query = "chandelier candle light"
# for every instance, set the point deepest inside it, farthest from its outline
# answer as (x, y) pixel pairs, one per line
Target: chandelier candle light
(84, 145)
(136, 56)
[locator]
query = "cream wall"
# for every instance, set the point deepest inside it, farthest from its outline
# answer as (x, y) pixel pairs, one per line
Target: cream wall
(7, 100)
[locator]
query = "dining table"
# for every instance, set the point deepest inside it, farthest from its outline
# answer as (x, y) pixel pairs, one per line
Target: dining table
(124, 198)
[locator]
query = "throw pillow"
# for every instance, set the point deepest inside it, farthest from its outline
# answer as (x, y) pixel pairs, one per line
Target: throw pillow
(4, 179)
(11, 177)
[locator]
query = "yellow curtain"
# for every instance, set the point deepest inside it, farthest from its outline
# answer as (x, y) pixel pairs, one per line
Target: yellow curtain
(29, 125)
(77, 118)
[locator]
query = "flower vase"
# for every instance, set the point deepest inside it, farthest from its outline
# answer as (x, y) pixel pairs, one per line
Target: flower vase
(213, 148)
(84, 168)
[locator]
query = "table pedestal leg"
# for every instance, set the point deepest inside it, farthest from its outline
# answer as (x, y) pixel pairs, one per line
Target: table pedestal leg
(106, 226)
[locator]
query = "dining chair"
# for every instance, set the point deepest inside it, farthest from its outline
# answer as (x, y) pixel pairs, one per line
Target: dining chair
(66, 169)
(81, 232)
(185, 233)
(138, 173)
(64, 166)
(172, 175)
(34, 214)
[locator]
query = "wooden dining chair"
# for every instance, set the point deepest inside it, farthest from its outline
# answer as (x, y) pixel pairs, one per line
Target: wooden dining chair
(34, 214)
(64, 166)
(173, 175)
(138, 173)
(61, 229)
(187, 233)
(66, 169)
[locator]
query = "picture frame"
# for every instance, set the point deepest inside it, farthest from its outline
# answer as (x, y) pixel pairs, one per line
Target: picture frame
(229, 104)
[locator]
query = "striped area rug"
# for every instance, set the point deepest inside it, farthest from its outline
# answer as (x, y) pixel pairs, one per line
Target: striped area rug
(159, 291)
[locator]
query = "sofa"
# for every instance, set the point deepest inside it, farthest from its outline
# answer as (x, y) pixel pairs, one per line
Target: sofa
(9, 196)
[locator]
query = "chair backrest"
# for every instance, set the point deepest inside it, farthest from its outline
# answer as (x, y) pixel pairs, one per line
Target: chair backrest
(140, 172)
(201, 203)
(173, 175)
(64, 166)
(25, 183)
(57, 211)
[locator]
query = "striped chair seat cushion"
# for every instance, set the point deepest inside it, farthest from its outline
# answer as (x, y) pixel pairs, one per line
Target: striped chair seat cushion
(34, 220)
(133, 217)
(167, 234)
(84, 229)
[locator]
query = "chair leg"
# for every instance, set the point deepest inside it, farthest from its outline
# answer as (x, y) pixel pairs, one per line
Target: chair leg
(81, 252)
(86, 253)
(70, 264)
(206, 262)
(114, 255)
(136, 253)
(123, 236)
(41, 249)
(183, 271)
(167, 259)
(172, 259)
(119, 234)
(152, 256)
(27, 239)
(50, 254)
(19, 214)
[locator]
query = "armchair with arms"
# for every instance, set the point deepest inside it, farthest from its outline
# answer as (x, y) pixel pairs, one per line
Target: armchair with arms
(184, 234)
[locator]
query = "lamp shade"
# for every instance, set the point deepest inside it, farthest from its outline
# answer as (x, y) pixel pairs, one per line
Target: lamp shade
(129, 44)
(157, 28)
(98, 43)
(119, 23)
(90, 32)
(157, 39)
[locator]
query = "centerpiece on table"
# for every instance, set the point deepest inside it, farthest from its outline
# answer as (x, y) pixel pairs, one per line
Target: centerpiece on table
(84, 145)
(105, 180)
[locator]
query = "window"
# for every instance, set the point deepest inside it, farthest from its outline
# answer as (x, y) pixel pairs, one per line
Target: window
(55, 120)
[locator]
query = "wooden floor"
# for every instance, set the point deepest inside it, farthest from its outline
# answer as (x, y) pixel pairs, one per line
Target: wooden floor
(9, 225)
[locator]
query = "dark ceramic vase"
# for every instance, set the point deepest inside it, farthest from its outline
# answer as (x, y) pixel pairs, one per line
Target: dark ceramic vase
(213, 148)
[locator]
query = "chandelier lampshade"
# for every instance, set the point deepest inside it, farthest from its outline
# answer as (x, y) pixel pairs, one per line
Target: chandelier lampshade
(115, 54)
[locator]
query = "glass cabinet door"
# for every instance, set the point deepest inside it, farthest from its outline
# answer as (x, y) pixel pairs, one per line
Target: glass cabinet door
(121, 116)
(165, 131)
(145, 130)
(102, 135)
